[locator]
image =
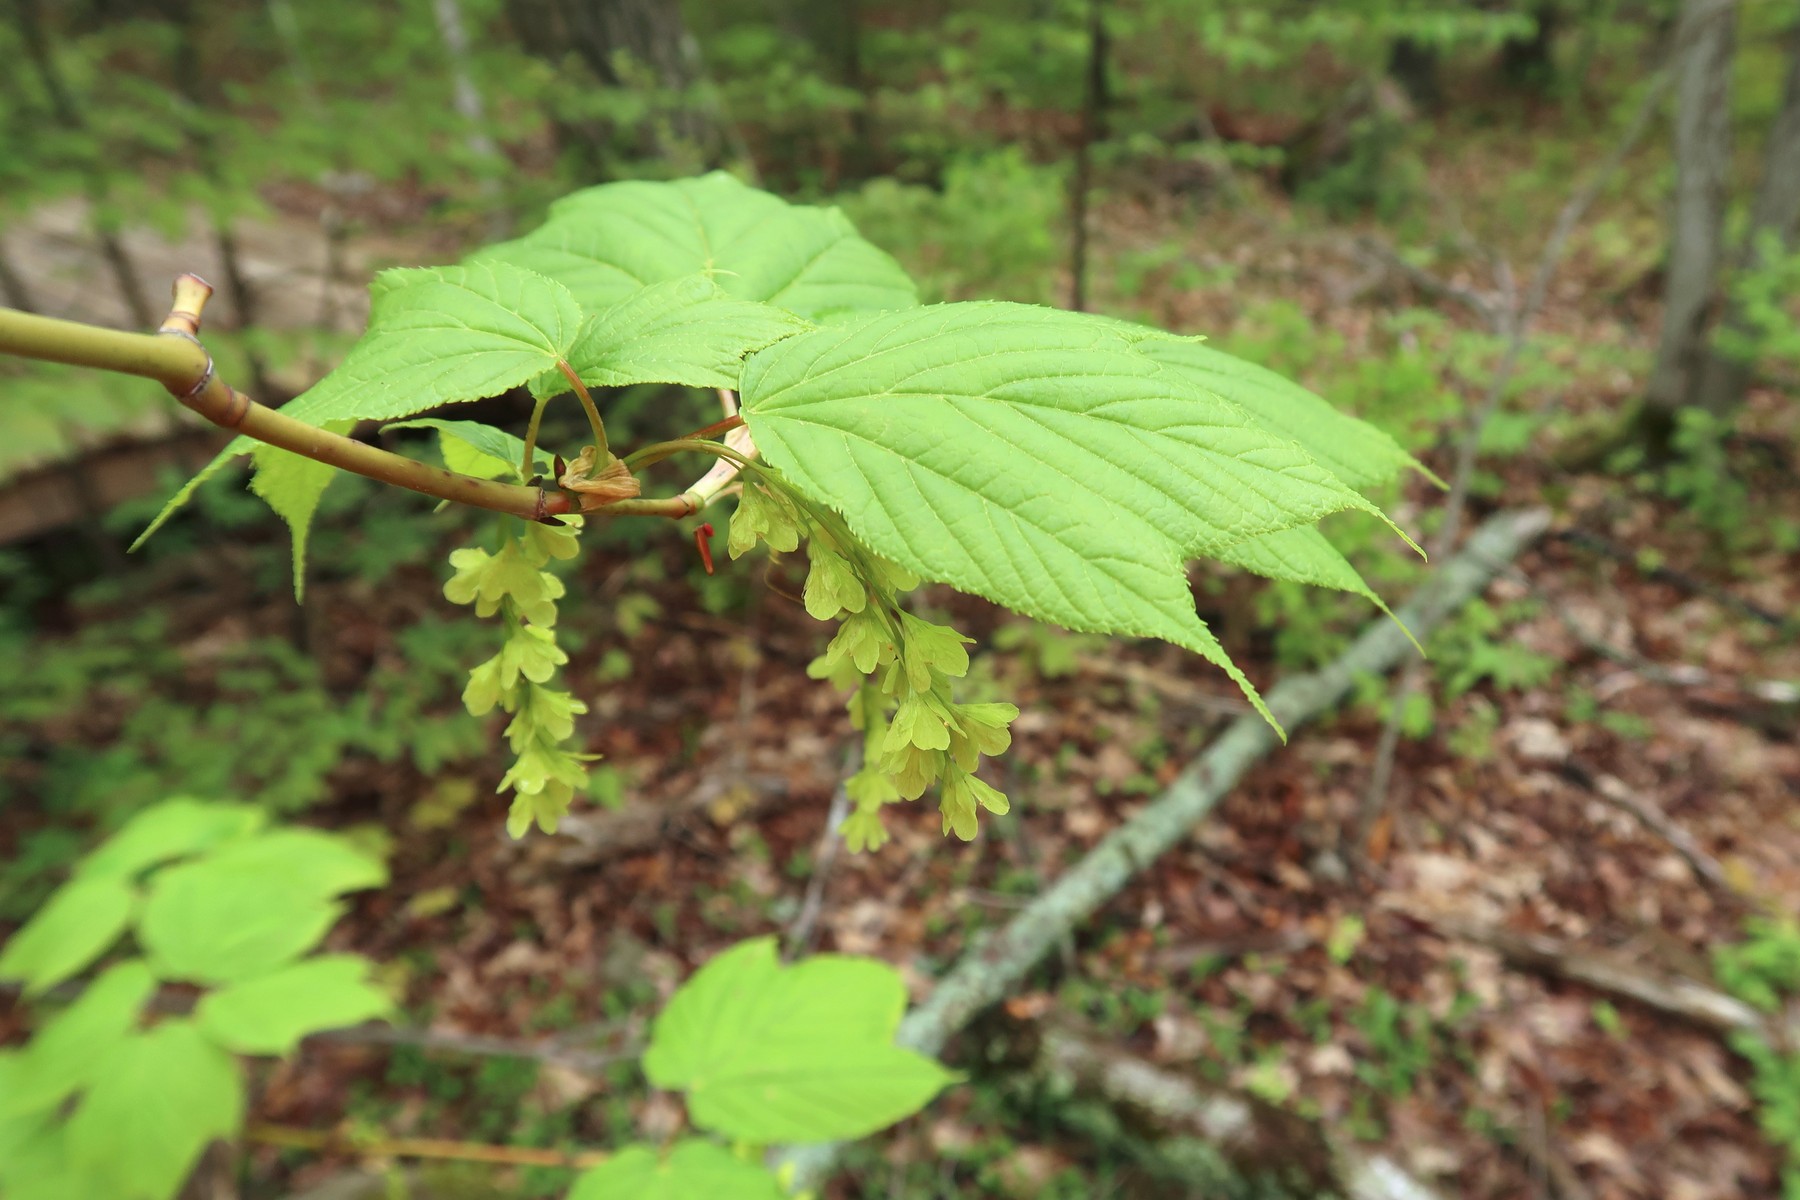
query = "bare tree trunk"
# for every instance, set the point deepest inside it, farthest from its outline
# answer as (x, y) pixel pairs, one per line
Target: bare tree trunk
(1775, 211)
(195, 85)
(12, 287)
(1702, 157)
(466, 99)
(1527, 61)
(1093, 128)
(609, 36)
(68, 114)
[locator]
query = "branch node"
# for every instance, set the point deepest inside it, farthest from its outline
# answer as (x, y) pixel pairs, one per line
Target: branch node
(191, 294)
(240, 403)
(200, 384)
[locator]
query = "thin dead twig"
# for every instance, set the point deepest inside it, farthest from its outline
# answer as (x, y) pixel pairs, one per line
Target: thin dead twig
(1617, 792)
(1673, 995)
(1681, 675)
(1389, 260)
(593, 838)
(800, 934)
(1516, 328)
(1170, 687)
(556, 1050)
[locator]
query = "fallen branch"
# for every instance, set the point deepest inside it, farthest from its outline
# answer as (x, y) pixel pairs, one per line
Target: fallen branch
(1673, 995)
(585, 839)
(1171, 688)
(563, 1050)
(1252, 1137)
(800, 933)
(1618, 792)
(1515, 325)
(986, 975)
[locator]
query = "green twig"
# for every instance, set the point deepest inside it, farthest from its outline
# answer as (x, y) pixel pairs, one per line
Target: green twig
(174, 357)
(587, 404)
(526, 468)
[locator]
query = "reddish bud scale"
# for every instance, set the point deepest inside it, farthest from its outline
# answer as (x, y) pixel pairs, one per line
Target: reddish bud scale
(703, 543)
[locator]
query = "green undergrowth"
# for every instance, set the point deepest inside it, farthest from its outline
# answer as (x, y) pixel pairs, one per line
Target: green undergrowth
(1763, 970)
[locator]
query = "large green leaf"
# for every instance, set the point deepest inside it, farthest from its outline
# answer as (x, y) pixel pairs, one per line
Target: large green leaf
(272, 1013)
(1041, 459)
(1301, 554)
(76, 925)
(436, 335)
(34, 1160)
(145, 1119)
(1357, 452)
(685, 331)
(212, 924)
(172, 829)
(692, 1170)
(471, 448)
(767, 1053)
(320, 864)
(64, 1055)
(606, 242)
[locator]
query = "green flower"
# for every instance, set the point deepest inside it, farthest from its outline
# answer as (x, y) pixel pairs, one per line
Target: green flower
(928, 647)
(761, 515)
(831, 585)
(531, 651)
(546, 808)
(863, 830)
(978, 729)
(488, 579)
(962, 799)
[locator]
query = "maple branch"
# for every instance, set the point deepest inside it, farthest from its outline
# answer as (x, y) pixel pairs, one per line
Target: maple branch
(175, 358)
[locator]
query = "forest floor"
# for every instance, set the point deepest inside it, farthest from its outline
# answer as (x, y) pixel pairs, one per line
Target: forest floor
(1607, 773)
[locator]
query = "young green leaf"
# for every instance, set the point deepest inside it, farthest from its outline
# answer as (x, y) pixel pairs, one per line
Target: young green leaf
(66, 1052)
(76, 925)
(445, 334)
(1302, 555)
(606, 242)
(142, 1124)
(1038, 458)
(471, 448)
(1355, 451)
(685, 331)
(271, 1013)
(806, 1053)
(34, 1160)
(691, 1170)
(173, 829)
(319, 864)
(293, 486)
(209, 923)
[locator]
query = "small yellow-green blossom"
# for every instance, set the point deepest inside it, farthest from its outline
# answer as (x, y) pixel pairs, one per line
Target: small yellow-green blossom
(831, 585)
(547, 771)
(762, 515)
(487, 580)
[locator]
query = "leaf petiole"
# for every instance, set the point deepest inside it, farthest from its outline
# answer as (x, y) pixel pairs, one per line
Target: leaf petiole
(587, 404)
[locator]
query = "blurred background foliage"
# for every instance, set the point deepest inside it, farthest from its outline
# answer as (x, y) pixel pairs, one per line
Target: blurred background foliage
(1214, 166)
